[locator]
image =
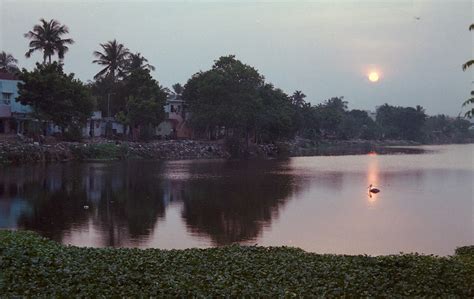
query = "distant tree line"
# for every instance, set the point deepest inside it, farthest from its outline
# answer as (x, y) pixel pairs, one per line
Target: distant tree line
(231, 100)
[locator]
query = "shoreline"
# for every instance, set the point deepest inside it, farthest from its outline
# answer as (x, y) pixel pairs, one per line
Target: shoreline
(15, 152)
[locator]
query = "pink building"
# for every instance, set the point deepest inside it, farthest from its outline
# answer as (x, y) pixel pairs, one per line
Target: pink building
(174, 126)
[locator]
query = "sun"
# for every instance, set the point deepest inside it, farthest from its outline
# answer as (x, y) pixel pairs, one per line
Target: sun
(373, 77)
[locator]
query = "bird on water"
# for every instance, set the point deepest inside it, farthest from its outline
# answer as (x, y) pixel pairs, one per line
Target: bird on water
(373, 190)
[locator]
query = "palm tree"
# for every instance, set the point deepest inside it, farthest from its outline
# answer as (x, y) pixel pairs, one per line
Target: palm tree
(8, 62)
(298, 98)
(137, 61)
(465, 66)
(47, 37)
(114, 58)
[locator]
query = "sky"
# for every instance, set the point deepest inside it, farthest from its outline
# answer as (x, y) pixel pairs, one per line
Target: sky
(324, 48)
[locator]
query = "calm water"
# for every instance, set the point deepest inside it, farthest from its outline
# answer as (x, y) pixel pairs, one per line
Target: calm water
(320, 204)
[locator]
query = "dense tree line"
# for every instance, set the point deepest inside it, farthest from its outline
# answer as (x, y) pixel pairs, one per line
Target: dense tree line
(231, 100)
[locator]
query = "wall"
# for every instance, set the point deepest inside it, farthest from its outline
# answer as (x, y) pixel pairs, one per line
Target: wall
(10, 86)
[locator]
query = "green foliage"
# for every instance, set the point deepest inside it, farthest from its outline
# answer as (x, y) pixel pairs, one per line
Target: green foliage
(465, 250)
(444, 129)
(331, 115)
(113, 58)
(470, 101)
(36, 267)
(54, 95)
(102, 151)
(401, 122)
(308, 121)
(144, 99)
(8, 63)
(234, 95)
(226, 95)
(235, 147)
(136, 61)
(47, 37)
(136, 100)
(465, 66)
(73, 133)
(275, 119)
(356, 124)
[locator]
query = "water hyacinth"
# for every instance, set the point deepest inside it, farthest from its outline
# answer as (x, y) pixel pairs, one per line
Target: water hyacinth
(34, 266)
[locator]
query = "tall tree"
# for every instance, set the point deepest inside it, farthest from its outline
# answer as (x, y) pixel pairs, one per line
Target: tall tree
(331, 114)
(227, 95)
(54, 95)
(298, 98)
(8, 62)
(276, 116)
(113, 58)
(137, 61)
(401, 122)
(234, 96)
(144, 102)
(465, 66)
(47, 37)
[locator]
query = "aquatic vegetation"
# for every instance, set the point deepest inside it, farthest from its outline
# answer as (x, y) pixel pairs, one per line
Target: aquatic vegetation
(34, 266)
(101, 151)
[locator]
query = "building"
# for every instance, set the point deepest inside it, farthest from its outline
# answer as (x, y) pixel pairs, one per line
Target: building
(13, 115)
(174, 126)
(98, 126)
(15, 118)
(95, 126)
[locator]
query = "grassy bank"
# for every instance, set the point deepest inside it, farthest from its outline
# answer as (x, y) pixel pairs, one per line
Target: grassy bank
(32, 266)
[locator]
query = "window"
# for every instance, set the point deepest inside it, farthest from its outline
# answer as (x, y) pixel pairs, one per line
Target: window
(7, 95)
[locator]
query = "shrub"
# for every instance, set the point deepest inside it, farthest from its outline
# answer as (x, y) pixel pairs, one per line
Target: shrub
(73, 134)
(235, 147)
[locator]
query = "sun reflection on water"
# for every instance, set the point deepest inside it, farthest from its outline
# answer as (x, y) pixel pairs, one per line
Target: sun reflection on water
(372, 177)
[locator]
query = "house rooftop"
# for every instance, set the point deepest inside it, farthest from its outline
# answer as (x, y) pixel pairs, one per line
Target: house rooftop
(7, 76)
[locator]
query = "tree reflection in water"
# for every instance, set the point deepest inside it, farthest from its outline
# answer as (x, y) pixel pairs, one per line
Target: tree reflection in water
(226, 202)
(237, 206)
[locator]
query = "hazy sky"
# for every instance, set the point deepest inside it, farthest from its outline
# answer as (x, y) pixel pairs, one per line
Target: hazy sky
(324, 48)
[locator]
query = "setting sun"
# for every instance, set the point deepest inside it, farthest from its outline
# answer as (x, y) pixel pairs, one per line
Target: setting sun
(373, 77)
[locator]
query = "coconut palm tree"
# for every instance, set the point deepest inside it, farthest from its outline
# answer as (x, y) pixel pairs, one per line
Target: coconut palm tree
(8, 62)
(298, 98)
(137, 61)
(47, 38)
(465, 66)
(113, 58)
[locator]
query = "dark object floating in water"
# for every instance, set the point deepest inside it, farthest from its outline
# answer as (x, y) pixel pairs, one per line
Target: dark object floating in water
(373, 190)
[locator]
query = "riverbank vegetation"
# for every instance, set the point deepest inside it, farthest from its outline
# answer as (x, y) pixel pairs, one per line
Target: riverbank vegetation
(34, 266)
(231, 101)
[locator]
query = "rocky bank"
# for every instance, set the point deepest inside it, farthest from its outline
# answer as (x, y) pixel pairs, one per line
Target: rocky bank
(16, 151)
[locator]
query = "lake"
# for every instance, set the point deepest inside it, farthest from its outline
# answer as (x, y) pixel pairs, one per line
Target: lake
(320, 204)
